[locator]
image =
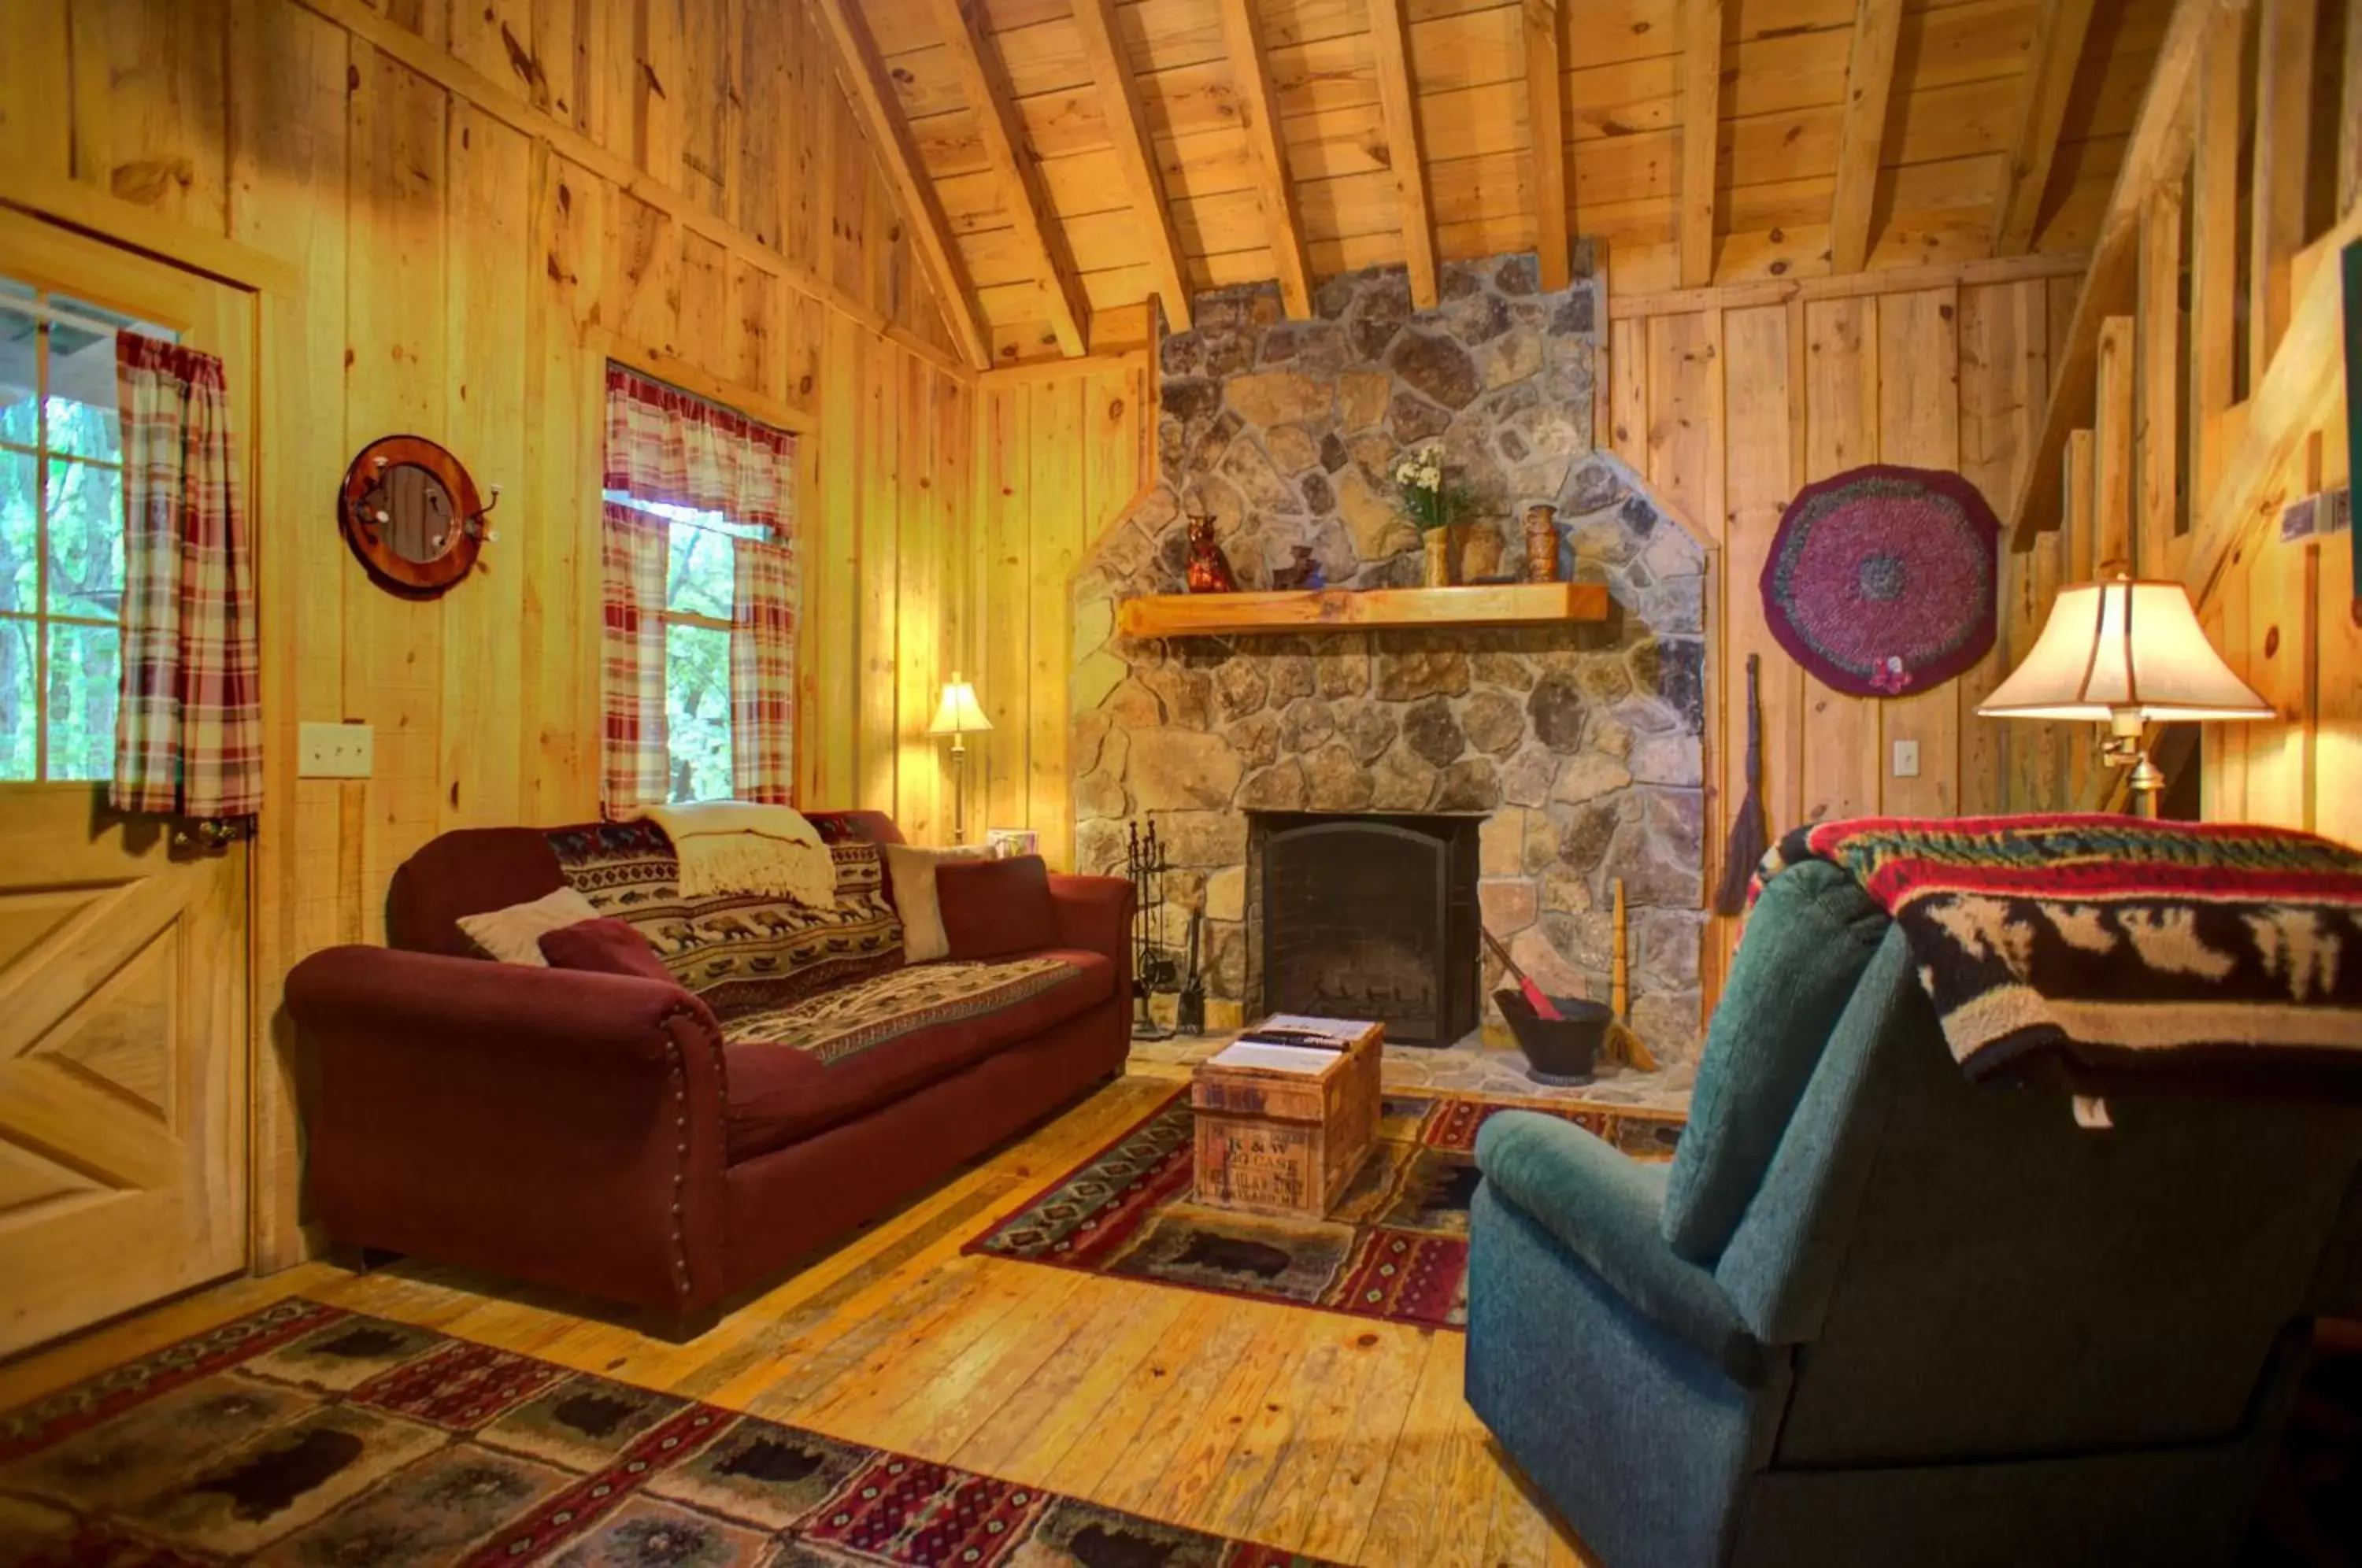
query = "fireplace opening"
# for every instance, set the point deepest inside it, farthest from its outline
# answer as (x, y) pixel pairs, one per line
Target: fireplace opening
(1370, 916)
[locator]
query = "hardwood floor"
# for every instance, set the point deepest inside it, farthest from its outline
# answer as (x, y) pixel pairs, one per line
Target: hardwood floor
(1342, 1437)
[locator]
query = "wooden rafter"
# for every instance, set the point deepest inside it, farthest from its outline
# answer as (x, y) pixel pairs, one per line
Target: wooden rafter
(985, 86)
(1398, 110)
(2156, 150)
(2214, 251)
(1259, 117)
(1861, 136)
(2059, 31)
(1135, 155)
(1700, 128)
(864, 74)
(1546, 127)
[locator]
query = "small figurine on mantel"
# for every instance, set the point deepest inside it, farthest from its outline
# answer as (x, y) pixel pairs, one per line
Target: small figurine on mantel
(1210, 569)
(1302, 572)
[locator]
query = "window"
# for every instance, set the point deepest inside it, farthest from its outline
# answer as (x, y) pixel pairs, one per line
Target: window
(60, 533)
(700, 591)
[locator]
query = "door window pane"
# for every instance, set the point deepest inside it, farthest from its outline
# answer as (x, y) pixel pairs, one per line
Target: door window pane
(20, 415)
(20, 531)
(85, 668)
(20, 722)
(85, 503)
(696, 711)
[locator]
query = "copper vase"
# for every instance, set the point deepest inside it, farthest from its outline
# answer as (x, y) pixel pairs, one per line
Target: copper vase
(1542, 543)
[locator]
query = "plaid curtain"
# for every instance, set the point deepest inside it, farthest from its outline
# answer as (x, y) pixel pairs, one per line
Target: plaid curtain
(668, 446)
(763, 675)
(632, 552)
(188, 727)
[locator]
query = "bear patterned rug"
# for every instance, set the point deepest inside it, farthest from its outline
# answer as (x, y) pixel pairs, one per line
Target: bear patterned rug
(1395, 1247)
(307, 1434)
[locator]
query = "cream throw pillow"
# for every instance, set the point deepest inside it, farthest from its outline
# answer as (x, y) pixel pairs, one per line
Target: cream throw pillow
(513, 936)
(912, 870)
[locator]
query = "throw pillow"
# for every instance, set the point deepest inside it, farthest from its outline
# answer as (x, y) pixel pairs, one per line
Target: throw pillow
(604, 947)
(910, 877)
(513, 936)
(993, 909)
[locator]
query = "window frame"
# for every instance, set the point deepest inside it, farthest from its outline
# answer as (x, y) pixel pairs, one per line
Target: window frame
(38, 302)
(673, 516)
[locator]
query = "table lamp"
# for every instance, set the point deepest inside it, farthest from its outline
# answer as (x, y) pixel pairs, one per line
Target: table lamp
(958, 716)
(2123, 653)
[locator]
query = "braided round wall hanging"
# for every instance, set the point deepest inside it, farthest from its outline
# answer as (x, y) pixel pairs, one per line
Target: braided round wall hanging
(1881, 580)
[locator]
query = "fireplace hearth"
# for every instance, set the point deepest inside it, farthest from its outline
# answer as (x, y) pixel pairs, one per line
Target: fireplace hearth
(1370, 915)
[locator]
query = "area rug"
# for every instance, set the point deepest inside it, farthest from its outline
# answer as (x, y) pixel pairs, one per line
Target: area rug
(308, 1434)
(1395, 1247)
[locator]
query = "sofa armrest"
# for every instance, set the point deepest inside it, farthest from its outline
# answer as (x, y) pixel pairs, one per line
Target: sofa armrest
(1095, 915)
(556, 1124)
(1606, 1208)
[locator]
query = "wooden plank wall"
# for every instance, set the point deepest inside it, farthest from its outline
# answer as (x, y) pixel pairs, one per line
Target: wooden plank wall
(478, 200)
(1061, 453)
(1729, 410)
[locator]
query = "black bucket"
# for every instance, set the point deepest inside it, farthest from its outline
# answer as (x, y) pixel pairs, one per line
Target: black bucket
(1558, 1050)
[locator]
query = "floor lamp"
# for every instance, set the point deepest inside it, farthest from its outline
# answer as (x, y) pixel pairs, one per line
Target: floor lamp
(2124, 653)
(958, 716)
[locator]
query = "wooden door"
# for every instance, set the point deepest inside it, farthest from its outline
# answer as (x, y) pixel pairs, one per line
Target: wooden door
(122, 957)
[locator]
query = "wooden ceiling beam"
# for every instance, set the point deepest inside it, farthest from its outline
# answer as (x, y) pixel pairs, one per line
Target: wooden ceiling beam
(2059, 29)
(1135, 155)
(985, 85)
(1701, 129)
(1861, 135)
(1398, 112)
(1259, 117)
(864, 75)
(1546, 130)
(2158, 151)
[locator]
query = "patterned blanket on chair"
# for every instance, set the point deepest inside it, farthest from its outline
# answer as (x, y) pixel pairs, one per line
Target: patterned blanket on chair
(2126, 951)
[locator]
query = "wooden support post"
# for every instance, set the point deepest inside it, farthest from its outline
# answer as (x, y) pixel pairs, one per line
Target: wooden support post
(1135, 155)
(2111, 432)
(1861, 136)
(1700, 128)
(1398, 112)
(930, 229)
(2284, 87)
(1259, 117)
(2213, 249)
(1546, 129)
(2158, 349)
(1025, 196)
(2059, 31)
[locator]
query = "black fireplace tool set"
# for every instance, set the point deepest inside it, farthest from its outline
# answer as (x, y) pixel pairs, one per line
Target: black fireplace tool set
(1155, 967)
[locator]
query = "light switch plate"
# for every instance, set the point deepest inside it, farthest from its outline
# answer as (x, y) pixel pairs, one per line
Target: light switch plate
(1906, 759)
(335, 751)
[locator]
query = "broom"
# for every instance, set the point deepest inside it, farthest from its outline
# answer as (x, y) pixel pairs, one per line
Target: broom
(1749, 838)
(1543, 1007)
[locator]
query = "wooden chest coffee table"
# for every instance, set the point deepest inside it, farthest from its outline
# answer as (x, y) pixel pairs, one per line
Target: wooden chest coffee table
(1281, 1128)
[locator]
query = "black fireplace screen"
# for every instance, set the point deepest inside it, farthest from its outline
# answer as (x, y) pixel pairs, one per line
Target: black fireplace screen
(1371, 917)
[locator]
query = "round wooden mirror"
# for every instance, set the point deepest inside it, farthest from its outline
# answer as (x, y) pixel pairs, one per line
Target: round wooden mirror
(412, 514)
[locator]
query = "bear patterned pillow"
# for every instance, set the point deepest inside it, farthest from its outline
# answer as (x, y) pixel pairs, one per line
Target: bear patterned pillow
(513, 935)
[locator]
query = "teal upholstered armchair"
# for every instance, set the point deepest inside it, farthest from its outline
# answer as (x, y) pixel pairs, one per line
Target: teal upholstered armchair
(1873, 1314)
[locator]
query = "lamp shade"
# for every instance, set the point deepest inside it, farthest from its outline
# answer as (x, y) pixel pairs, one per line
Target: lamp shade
(958, 713)
(2124, 648)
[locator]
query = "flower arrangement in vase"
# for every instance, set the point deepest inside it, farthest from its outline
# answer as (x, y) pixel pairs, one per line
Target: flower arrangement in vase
(1435, 504)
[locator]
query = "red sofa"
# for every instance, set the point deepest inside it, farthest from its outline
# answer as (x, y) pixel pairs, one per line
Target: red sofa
(651, 1141)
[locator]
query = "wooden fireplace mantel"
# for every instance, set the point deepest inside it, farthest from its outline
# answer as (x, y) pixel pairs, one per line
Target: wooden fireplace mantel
(1369, 609)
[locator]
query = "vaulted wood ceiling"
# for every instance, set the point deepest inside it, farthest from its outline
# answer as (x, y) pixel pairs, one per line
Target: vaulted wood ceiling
(1078, 156)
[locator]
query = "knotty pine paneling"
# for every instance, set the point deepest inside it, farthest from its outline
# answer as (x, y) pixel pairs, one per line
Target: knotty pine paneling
(478, 200)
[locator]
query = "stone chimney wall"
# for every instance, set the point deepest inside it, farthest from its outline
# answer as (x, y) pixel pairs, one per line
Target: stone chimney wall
(1578, 745)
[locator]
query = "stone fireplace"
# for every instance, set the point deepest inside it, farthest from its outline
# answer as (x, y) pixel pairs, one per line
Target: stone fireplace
(1569, 754)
